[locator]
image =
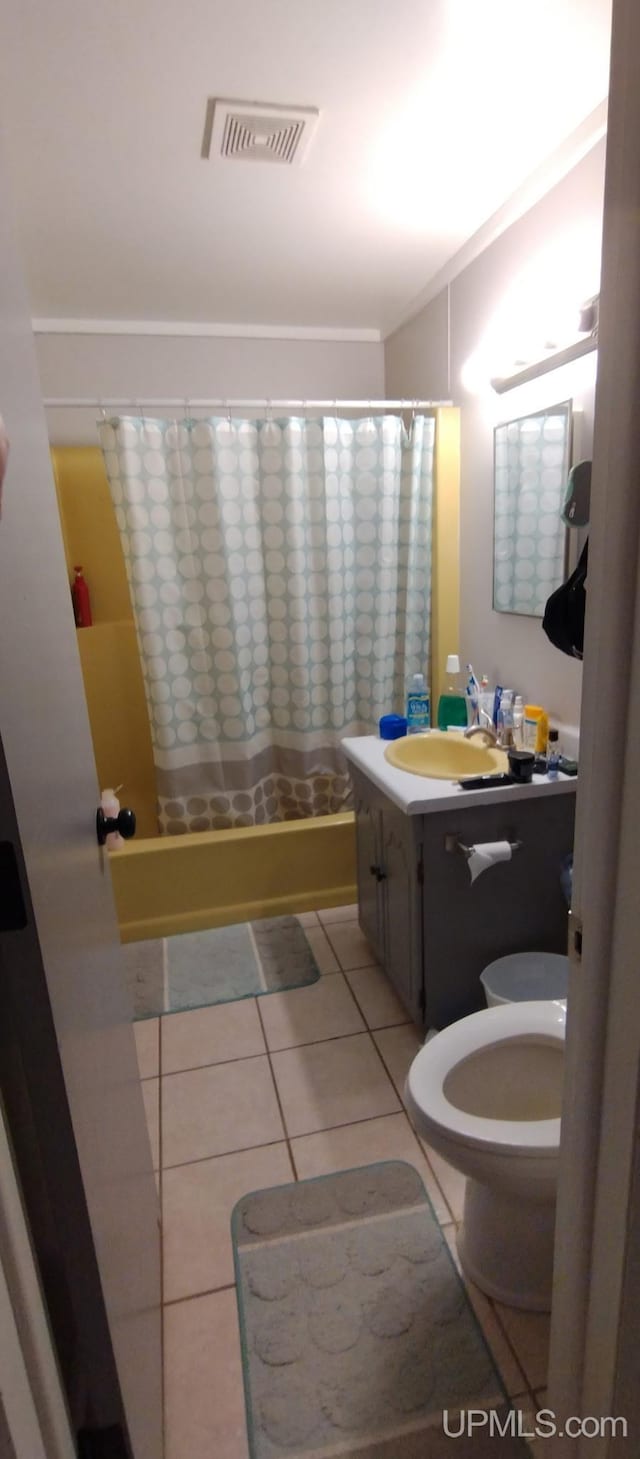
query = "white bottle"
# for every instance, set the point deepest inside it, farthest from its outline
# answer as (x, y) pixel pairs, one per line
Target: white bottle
(518, 722)
(418, 706)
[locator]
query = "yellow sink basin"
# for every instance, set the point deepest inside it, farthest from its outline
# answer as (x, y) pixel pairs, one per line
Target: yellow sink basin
(443, 756)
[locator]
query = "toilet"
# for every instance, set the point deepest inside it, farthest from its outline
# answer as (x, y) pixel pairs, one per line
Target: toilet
(486, 1094)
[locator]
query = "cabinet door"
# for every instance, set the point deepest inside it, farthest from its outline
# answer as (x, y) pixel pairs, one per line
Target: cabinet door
(369, 870)
(402, 899)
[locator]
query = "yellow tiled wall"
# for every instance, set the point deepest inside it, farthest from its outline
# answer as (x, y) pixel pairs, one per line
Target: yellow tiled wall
(109, 649)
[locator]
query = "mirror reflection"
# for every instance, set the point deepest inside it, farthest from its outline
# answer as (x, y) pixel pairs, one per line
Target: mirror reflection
(531, 464)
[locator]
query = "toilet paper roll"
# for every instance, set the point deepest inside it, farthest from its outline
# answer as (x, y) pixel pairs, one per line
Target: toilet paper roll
(485, 854)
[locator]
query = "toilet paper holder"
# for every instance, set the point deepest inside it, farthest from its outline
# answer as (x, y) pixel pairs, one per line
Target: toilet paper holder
(455, 846)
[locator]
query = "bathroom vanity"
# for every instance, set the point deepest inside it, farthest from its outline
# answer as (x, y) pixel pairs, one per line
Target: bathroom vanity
(432, 929)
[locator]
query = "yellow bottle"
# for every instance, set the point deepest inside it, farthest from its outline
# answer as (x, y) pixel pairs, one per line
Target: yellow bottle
(542, 737)
(529, 725)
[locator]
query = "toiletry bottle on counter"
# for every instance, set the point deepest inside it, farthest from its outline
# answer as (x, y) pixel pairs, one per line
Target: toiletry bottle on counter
(505, 719)
(81, 600)
(418, 706)
(518, 722)
(553, 754)
(542, 736)
(452, 705)
(532, 714)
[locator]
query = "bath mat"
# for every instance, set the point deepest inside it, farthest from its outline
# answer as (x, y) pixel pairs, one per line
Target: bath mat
(219, 965)
(356, 1329)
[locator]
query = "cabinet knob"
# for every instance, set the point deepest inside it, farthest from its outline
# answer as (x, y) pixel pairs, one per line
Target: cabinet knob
(378, 872)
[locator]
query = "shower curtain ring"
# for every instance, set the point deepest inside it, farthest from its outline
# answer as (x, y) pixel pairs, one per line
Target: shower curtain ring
(102, 411)
(269, 411)
(228, 410)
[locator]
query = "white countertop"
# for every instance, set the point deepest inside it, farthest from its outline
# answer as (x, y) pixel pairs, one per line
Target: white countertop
(419, 794)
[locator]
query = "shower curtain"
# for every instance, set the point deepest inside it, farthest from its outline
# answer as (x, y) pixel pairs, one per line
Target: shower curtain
(280, 580)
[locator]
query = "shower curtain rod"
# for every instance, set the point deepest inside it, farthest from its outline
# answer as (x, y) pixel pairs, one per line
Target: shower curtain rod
(61, 402)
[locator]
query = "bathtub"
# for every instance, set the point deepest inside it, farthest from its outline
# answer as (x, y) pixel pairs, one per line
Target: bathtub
(164, 885)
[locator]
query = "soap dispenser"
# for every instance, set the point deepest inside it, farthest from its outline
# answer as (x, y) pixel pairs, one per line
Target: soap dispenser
(452, 705)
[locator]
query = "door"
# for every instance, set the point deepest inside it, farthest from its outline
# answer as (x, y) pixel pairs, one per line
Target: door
(594, 1337)
(64, 944)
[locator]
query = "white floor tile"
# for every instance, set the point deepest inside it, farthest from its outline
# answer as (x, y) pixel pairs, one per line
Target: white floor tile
(308, 919)
(151, 1096)
(218, 1109)
(339, 914)
(510, 1371)
(204, 1398)
(528, 1333)
(147, 1036)
(376, 997)
(322, 950)
(350, 945)
(326, 1010)
(398, 1047)
(387, 1138)
(332, 1083)
(210, 1035)
(197, 1201)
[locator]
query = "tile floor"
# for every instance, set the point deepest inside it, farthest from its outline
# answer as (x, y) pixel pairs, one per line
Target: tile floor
(251, 1094)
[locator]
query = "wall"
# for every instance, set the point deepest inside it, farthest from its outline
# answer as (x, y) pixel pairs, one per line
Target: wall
(143, 366)
(425, 357)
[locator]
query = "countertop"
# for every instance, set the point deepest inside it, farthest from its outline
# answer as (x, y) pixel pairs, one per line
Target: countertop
(417, 795)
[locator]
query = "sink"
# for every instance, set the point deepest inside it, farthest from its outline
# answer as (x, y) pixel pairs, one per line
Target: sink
(442, 756)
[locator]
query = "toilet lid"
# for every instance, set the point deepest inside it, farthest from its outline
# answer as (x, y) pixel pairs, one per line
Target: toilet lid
(531, 1022)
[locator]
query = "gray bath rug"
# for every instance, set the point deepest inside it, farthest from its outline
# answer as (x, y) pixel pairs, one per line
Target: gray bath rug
(356, 1330)
(220, 965)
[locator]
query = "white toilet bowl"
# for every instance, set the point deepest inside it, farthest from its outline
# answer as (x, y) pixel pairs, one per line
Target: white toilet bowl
(486, 1094)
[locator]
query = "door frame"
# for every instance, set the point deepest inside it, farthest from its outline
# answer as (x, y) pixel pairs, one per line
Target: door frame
(593, 1355)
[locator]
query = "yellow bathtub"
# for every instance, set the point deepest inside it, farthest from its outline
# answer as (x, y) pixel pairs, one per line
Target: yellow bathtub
(165, 885)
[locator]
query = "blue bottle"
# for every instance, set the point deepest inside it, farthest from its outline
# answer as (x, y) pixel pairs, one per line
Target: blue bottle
(418, 706)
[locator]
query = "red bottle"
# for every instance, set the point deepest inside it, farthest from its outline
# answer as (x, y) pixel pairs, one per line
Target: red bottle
(81, 600)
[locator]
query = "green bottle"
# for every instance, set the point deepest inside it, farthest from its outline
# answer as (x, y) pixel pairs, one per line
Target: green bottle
(452, 705)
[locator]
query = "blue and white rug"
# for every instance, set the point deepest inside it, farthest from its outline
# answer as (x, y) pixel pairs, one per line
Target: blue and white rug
(219, 965)
(357, 1333)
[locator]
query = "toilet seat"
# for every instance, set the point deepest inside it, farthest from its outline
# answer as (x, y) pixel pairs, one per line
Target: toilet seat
(430, 1106)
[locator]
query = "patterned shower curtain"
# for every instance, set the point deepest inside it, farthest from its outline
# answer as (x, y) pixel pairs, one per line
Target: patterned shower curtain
(280, 578)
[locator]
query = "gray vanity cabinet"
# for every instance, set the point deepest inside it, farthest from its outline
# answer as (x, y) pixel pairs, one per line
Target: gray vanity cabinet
(389, 868)
(369, 864)
(432, 929)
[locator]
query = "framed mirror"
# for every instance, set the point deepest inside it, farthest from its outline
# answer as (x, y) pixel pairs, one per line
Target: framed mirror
(531, 463)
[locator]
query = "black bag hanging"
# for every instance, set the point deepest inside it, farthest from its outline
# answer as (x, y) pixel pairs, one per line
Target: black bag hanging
(563, 620)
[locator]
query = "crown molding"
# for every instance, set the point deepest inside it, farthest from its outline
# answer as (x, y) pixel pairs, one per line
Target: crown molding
(192, 330)
(531, 191)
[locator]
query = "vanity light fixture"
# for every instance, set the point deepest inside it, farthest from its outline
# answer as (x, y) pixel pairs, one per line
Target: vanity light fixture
(587, 329)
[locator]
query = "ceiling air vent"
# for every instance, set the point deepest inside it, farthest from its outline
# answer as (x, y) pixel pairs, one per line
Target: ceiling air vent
(255, 131)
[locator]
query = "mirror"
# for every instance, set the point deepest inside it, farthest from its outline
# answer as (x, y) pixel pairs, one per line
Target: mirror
(530, 540)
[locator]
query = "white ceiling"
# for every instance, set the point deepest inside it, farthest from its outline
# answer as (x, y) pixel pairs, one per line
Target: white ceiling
(432, 113)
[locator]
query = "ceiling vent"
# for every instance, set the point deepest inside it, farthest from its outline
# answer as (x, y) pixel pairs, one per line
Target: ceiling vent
(255, 131)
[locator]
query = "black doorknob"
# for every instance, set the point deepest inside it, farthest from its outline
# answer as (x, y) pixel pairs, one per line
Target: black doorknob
(125, 823)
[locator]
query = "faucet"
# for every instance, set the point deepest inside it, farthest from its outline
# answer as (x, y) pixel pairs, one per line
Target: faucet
(482, 729)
